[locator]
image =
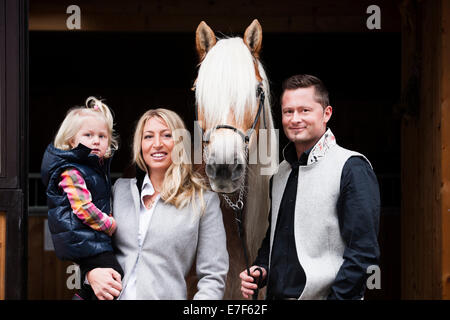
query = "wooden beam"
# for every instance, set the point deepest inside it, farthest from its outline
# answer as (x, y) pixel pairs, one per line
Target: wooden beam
(226, 16)
(13, 141)
(2, 254)
(445, 148)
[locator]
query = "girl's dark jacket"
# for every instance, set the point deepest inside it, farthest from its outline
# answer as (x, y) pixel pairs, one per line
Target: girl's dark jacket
(72, 239)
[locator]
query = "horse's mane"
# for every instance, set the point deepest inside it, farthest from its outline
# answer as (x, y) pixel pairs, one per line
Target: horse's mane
(226, 79)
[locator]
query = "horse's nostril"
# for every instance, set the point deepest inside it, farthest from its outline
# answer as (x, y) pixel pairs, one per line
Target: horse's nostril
(237, 171)
(210, 171)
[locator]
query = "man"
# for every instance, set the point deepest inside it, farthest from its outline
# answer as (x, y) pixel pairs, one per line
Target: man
(323, 227)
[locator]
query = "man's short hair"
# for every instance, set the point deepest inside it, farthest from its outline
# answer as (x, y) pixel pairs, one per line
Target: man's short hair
(305, 81)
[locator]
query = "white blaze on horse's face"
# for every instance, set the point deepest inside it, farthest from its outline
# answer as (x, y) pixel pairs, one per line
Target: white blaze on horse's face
(225, 161)
(226, 95)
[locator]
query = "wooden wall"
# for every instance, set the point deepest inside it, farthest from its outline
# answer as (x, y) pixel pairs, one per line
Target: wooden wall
(47, 275)
(425, 154)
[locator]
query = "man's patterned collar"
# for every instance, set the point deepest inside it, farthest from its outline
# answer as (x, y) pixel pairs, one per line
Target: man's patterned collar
(319, 150)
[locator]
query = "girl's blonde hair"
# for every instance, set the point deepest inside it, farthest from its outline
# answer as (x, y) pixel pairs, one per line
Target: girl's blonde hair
(181, 184)
(74, 118)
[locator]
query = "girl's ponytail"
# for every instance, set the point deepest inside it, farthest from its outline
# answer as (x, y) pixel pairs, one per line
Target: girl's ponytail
(97, 105)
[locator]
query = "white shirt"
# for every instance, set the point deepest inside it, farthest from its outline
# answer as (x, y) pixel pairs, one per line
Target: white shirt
(129, 292)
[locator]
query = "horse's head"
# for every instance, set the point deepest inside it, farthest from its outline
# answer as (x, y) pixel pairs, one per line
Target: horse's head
(230, 90)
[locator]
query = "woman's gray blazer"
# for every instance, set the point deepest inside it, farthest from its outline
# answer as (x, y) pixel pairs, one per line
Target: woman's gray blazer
(174, 240)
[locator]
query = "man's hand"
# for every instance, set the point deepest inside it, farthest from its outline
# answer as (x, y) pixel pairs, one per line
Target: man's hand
(105, 282)
(247, 282)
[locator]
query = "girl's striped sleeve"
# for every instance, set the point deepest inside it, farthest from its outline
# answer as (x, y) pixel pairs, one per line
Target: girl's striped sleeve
(80, 200)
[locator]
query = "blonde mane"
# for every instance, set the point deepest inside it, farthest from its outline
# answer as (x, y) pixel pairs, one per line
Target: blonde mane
(226, 79)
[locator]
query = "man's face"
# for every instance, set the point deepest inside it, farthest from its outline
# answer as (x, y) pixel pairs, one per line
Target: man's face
(304, 120)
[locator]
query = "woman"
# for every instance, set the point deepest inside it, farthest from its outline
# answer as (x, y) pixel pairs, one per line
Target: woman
(166, 220)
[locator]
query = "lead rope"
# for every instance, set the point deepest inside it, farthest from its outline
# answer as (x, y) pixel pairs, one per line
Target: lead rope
(237, 209)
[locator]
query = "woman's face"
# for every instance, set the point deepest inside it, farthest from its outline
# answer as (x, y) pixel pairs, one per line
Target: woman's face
(157, 144)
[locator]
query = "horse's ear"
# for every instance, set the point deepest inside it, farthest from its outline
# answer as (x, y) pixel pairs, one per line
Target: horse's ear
(253, 37)
(205, 39)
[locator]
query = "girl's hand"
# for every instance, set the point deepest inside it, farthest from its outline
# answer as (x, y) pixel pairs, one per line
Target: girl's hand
(105, 282)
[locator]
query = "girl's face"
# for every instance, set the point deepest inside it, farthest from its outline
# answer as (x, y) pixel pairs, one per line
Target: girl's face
(157, 144)
(93, 134)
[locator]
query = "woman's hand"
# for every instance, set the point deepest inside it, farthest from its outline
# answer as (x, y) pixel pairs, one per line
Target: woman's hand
(105, 282)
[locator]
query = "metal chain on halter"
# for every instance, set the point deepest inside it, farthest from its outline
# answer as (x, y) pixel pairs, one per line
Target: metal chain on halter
(239, 203)
(238, 211)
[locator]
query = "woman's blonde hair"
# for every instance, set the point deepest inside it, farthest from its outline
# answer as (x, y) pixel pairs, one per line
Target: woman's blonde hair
(181, 184)
(74, 119)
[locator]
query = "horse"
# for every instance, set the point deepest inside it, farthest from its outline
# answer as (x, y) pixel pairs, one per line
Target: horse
(240, 149)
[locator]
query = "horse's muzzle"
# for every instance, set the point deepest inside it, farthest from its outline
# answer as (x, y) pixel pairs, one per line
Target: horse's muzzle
(225, 177)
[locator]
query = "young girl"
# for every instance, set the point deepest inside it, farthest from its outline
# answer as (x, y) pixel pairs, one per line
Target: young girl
(75, 169)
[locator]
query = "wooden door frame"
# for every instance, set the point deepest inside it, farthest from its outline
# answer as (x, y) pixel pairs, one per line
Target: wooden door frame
(14, 141)
(425, 149)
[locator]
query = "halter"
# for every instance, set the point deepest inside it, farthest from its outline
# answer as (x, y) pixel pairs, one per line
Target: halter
(246, 137)
(239, 205)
